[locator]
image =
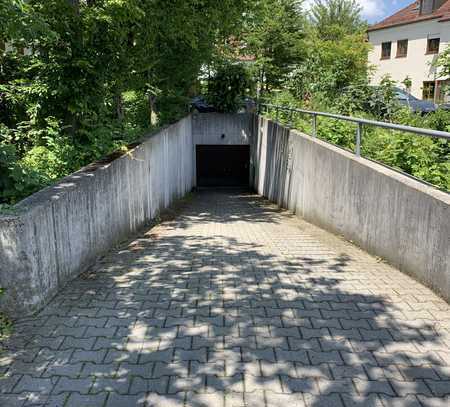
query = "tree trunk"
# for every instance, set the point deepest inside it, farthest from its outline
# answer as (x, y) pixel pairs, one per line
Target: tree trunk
(119, 107)
(151, 105)
(72, 118)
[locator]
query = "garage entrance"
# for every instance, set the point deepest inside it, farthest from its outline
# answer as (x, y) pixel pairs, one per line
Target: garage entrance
(223, 166)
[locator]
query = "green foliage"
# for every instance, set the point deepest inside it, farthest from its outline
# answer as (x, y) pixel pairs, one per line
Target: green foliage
(439, 120)
(337, 18)
(273, 34)
(442, 65)
(423, 157)
(172, 106)
(337, 132)
(5, 324)
(407, 82)
(96, 75)
(314, 58)
(228, 86)
(16, 181)
(330, 66)
(326, 70)
(136, 110)
(336, 51)
(377, 101)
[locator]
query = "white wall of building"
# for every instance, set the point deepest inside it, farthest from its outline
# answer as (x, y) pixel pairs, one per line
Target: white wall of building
(417, 65)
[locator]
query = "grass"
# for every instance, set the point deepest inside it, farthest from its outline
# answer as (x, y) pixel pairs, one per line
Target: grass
(5, 325)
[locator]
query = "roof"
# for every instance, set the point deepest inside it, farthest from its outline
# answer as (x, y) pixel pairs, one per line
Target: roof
(411, 14)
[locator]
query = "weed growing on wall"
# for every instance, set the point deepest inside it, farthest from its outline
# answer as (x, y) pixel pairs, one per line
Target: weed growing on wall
(5, 325)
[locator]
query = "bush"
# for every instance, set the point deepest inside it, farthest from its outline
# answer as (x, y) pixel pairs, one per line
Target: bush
(32, 158)
(136, 111)
(47, 161)
(5, 324)
(337, 132)
(16, 181)
(228, 86)
(423, 157)
(171, 108)
(439, 120)
(377, 101)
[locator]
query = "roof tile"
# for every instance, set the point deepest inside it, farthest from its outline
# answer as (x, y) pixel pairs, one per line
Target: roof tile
(411, 14)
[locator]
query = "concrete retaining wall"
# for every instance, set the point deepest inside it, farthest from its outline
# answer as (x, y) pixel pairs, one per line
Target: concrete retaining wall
(386, 213)
(60, 231)
(221, 129)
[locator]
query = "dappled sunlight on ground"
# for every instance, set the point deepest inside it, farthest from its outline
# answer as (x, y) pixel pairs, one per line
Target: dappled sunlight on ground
(234, 302)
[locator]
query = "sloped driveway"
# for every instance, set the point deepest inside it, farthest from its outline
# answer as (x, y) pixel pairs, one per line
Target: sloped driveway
(233, 302)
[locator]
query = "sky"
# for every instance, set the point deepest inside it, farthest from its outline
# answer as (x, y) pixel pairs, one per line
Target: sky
(376, 10)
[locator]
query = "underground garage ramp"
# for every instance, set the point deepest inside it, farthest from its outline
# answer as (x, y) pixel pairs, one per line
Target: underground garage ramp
(223, 166)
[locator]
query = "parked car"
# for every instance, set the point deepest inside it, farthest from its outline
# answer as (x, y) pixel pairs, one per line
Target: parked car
(416, 105)
(199, 104)
(444, 106)
(249, 104)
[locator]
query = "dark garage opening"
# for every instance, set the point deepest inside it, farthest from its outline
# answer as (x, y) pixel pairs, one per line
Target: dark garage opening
(223, 166)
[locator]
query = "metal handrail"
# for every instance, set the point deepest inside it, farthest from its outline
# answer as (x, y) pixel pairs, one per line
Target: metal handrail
(360, 124)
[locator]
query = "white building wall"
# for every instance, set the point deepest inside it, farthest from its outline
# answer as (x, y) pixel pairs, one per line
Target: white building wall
(417, 65)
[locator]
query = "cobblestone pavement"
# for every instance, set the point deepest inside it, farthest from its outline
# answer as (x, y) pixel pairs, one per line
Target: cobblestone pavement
(234, 303)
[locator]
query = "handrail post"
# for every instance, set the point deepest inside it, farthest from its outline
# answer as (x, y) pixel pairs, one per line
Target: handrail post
(276, 114)
(314, 123)
(359, 131)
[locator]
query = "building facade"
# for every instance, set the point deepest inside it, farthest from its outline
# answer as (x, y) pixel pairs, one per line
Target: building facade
(407, 44)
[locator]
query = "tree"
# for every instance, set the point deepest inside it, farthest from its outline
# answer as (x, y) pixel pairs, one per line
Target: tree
(442, 65)
(183, 37)
(330, 65)
(274, 33)
(336, 51)
(226, 88)
(334, 19)
(64, 100)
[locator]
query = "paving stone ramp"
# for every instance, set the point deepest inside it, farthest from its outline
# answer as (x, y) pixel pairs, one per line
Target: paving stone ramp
(232, 302)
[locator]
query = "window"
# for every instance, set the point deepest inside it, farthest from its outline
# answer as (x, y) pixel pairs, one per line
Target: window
(428, 90)
(386, 50)
(430, 6)
(402, 48)
(433, 45)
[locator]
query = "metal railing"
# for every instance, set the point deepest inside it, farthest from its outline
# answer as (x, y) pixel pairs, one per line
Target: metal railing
(360, 123)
